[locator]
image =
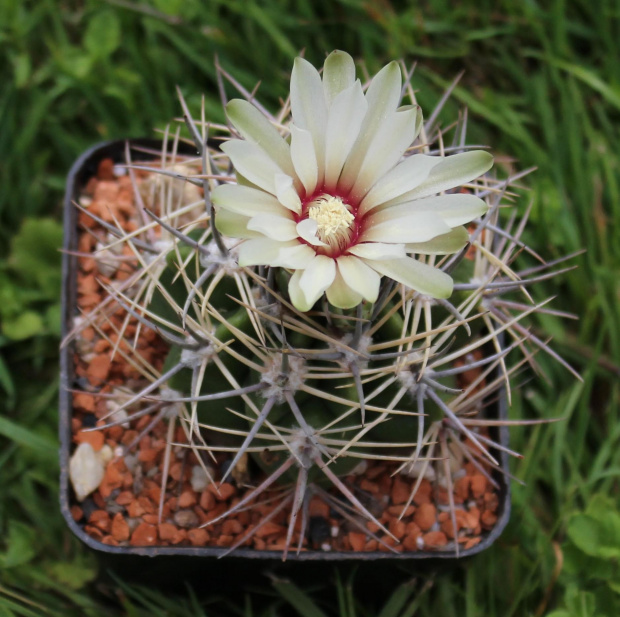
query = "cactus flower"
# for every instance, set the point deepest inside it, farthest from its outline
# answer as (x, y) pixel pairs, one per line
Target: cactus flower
(345, 200)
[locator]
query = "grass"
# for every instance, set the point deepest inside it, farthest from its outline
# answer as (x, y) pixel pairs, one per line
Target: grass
(541, 84)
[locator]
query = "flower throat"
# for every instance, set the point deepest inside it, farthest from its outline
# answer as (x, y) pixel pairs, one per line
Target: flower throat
(334, 220)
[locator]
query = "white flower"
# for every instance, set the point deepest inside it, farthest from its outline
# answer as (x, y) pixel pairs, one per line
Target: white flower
(339, 205)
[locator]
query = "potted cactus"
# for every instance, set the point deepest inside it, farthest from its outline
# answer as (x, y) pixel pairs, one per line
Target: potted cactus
(333, 316)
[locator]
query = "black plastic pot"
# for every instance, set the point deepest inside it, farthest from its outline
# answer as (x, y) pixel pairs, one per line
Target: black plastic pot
(83, 169)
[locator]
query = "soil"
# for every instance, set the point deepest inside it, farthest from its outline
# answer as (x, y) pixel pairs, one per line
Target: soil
(124, 510)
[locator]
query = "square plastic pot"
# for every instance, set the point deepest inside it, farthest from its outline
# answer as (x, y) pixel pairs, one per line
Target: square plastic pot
(83, 169)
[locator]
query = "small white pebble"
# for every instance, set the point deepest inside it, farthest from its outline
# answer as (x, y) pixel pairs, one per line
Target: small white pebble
(106, 454)
(199, 479)
(334, 531)
(119, 170)
(105, 262)
(83, 347)
(414, 471)
(131, 460)
(457, 475)
(442, 481)
(326, 546)
(116, 414)
(118, 451)
(85, 201)
(86, 470)
(186, 518)
(420, 542)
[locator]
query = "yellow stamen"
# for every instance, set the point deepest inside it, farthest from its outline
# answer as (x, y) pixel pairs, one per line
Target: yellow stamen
(333, 219)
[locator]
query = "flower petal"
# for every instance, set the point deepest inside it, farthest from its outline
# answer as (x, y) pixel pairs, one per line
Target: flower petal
(234, 225)
(454, 209)
(297, 296)
(383, 96)
(359, 277)
(403, 178)
(243, 181)
(343, 125)
(252, 163)
(307, 230)
(451, 172)
(304, 158)
(396, 135)
(286, 193)
(258, 252)
(317, 277)
(416, 275)
(245, 200)
(340, 295)
(308, 107)
(408, 227)
(446, 244)
(338, 74)
(378, 250)
(296, 256)
(255, 127)
(273, 226)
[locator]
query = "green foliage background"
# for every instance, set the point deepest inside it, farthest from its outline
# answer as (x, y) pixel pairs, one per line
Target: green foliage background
(542, 84)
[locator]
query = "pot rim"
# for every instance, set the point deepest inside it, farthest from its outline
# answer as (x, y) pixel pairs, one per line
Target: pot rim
(84, 167)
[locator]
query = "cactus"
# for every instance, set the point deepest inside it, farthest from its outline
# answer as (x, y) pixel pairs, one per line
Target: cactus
(336, 285)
